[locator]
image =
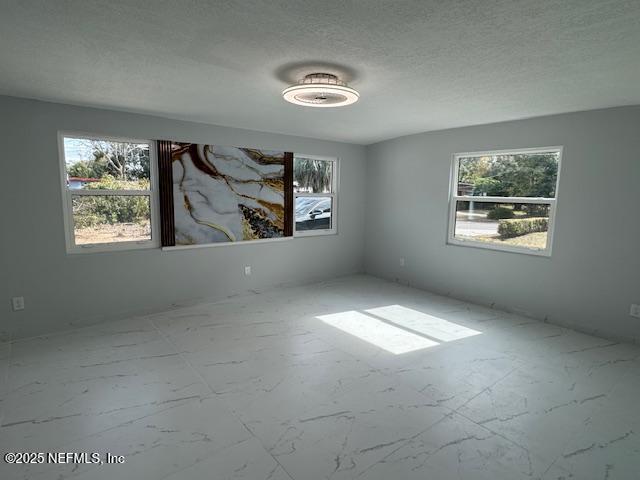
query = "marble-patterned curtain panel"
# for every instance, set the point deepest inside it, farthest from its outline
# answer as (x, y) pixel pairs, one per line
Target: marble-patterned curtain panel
(228, 194)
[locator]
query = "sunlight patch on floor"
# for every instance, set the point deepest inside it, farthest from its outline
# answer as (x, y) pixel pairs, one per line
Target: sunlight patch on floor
(397, 329)
(381, 334)
(423, 323)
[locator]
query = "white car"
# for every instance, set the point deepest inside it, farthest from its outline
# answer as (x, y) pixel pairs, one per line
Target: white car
(313, 213)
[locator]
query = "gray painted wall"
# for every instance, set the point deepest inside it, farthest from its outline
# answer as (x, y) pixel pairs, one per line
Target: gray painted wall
(62, 290)
(594, 273)
(588, 283)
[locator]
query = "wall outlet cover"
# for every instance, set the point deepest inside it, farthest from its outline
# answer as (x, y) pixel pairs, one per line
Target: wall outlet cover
(635, 310)
(247, 270)
(17, 303)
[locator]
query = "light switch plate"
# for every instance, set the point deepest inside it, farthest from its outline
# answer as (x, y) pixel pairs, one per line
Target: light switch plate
(635, 310)
(247, 270)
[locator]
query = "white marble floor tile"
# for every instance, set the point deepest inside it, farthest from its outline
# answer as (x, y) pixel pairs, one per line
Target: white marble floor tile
(101, 343)
(59, 391)
(342, 438)
(607, 446)
(454, 448)
(39, 414)
(246, 460)
(542, 404)
(261, 387)
(154, 445)
(453, 374)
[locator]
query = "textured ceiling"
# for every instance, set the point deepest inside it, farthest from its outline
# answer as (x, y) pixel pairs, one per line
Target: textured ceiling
(419, 65)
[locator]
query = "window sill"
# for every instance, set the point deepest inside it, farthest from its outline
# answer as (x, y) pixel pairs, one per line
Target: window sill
(499, 248)
(227, 244)
(111, 247)
(313, 233)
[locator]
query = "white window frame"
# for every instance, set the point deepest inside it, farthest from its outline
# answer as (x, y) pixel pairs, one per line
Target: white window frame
(454, 198)
(333, 195)
(67, 194)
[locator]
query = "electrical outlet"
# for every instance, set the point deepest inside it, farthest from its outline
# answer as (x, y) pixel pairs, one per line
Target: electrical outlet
(635, 310)
(402, 262)
(17, 303)
(247, 270)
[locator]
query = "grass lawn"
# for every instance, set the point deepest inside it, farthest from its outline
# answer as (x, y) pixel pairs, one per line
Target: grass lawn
(108, 233)
(530, 240)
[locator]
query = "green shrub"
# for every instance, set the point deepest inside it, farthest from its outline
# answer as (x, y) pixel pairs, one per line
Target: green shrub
(536, 210)
(522, 226)
(108, 182)
(92, 210)
(499, 213)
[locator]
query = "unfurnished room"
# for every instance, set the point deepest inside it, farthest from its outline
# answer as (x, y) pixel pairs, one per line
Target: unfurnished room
(337, 240)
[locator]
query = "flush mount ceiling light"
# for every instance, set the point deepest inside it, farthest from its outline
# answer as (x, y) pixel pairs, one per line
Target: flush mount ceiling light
(321, 90)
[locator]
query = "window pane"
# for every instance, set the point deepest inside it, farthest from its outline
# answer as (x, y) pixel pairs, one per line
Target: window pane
(511, 175)
(106, 165)
(313, 213)
(111, 218)
(515, 224)
(312, 176)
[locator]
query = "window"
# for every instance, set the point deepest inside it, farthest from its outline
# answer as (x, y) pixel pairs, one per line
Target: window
(505, 200)
(108, 193)
(314, 195)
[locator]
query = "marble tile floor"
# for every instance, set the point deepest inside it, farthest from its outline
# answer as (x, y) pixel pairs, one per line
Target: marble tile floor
(355, 378)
